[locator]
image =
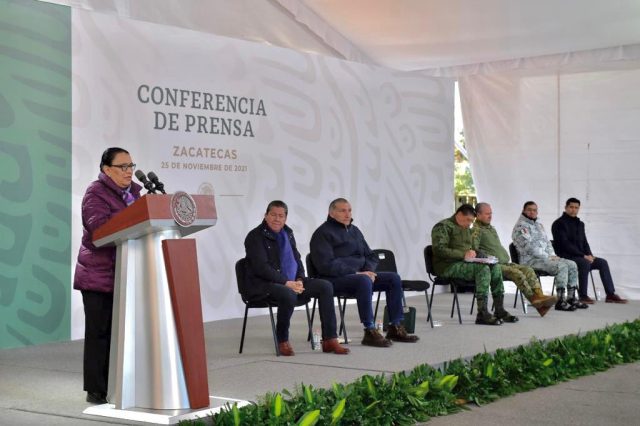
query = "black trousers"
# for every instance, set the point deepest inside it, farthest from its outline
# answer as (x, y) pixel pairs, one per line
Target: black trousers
(583, 274)
(98, 308)
(287, 299)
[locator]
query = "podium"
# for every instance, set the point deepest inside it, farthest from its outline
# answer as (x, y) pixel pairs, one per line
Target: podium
(157, 358)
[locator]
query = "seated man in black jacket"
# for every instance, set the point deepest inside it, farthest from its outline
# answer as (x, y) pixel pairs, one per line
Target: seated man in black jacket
(570, 242)
(274, 268)
(341, 255)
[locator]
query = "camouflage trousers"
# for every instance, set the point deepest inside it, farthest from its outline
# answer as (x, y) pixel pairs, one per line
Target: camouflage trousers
(522, 276)
(564, 271)
(484, 276)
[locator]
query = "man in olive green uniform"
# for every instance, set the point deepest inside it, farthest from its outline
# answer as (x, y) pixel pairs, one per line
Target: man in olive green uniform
(486, 241)
(452, 258)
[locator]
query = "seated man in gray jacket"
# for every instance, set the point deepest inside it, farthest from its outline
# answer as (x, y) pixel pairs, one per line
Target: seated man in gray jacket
(535, 250)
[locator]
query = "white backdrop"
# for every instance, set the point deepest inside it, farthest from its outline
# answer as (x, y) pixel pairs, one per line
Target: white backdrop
(548, 138)
(331, 128)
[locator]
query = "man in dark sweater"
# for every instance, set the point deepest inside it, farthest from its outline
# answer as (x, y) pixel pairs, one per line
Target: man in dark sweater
(341, 255)
(570, 242)
(274, 270)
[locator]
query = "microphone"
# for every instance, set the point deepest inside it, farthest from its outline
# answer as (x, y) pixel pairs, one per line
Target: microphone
(148, 185)
(158, 185)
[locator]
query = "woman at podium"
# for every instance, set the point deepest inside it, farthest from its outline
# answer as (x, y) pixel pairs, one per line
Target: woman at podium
(112, 192)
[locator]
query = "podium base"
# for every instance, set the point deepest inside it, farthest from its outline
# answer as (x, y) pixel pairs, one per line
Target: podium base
(163, 417)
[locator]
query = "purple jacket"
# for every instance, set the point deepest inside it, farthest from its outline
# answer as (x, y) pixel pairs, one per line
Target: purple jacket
(95, 269)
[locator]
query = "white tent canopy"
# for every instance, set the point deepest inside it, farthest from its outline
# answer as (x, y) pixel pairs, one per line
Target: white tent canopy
(550, 89)
(407, 35)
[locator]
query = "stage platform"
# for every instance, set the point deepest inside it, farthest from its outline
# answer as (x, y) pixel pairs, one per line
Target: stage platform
(43, 384)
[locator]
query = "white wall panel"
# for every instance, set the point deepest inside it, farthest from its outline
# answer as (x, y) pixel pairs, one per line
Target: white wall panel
(332, 128)
(551, 137)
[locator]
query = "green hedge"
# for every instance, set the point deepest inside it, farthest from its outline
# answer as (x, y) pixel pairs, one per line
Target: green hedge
(410, 397)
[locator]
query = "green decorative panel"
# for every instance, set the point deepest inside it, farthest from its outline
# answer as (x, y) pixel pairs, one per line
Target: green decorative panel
(35, 172)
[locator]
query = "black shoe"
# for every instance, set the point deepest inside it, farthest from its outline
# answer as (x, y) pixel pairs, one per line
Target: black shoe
(577, 303)
(562, 305)
(487, 319)
(484, 317)
(505, 316)
(97, 398)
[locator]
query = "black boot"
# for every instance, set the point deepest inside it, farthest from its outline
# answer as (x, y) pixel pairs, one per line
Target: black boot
(97, 397)
(574, 301)
(561, 304)
(499, 310)
(484, 317)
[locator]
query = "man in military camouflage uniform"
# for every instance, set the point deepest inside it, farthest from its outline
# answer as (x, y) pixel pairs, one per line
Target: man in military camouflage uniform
(535, 250)
(486, 241)
(452, 251)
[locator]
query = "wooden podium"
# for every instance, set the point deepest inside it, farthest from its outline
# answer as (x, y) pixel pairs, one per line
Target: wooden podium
(157, 358)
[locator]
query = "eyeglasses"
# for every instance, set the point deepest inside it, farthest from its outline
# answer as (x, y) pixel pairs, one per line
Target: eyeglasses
(124, 167)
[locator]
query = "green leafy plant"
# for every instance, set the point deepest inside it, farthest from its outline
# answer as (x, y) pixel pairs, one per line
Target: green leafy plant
(405, 398)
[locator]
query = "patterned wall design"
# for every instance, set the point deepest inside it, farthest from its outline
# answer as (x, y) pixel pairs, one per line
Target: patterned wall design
(35, 172)
(380, 138)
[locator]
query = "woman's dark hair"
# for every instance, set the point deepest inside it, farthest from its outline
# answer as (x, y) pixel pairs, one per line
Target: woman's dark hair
(109, 154)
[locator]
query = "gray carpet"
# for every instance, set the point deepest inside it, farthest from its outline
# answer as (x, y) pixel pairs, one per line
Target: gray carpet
(43, 384)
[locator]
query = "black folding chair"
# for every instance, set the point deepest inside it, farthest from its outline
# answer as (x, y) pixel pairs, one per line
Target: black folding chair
(436, 280)
(264, 302)
(342, 299)
(515, 258)
(387, 263)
